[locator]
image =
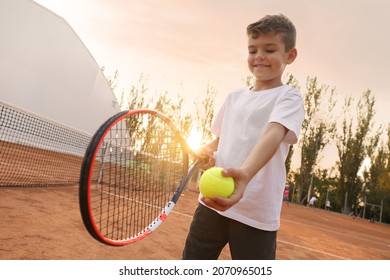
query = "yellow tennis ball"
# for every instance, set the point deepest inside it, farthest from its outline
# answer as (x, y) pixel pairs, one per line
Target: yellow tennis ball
(212, 183)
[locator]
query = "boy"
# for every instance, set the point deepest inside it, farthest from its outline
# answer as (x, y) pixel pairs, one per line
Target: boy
(254, 129)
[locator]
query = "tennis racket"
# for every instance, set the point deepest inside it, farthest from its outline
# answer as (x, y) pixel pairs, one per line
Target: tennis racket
(133, 173)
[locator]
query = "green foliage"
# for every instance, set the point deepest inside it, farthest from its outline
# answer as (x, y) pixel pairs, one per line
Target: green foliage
(205, 114)
(353, 145)
(317, 131)
(377, 177)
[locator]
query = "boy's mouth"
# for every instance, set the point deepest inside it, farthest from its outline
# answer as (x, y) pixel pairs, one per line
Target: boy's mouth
(261, 65)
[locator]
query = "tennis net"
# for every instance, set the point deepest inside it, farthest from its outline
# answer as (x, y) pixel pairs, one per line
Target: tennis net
(36, 151)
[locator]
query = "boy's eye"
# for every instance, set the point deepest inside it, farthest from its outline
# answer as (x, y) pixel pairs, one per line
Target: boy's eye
(268, 51)
(252, 51)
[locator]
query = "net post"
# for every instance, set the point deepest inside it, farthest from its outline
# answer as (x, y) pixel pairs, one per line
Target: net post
(365, 204)
(381, 213)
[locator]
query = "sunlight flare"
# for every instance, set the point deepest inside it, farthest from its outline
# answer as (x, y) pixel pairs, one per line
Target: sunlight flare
(194, 139)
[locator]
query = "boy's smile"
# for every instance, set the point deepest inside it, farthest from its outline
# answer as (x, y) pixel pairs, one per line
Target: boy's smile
(261, 65)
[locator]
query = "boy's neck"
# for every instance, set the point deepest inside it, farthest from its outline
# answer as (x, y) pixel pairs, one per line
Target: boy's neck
(265, 86)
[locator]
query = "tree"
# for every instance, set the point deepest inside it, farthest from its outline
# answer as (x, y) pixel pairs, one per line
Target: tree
(317, 130)
(377, 177)
(293, 82)
(135, 98)
(353, 146)
(205, 114)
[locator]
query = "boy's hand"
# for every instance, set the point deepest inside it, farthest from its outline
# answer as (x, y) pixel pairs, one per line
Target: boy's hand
(240, 182)
(205, 152)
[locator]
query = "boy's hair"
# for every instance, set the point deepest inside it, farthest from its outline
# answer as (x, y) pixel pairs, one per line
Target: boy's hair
(277, 24)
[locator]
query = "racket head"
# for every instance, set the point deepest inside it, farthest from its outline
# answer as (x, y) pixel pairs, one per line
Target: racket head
(133, 172)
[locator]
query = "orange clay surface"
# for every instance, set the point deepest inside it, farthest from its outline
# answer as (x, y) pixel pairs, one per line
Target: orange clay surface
(45, 224)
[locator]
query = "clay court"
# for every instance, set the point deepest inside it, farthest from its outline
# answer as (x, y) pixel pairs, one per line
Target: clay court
(45, 224)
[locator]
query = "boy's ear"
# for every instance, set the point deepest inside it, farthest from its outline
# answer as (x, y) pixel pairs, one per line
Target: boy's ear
(292, 55)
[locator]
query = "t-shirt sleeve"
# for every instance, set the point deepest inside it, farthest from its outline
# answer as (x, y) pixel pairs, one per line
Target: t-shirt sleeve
(289, 111)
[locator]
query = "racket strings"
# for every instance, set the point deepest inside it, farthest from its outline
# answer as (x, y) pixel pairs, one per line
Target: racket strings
(139, 164)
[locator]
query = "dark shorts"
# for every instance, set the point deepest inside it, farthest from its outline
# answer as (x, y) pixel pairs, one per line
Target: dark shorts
(210, 232)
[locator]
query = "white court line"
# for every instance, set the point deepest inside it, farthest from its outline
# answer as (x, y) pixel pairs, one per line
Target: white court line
(31, 172)
(286, 242)
(335, 232)
(145, 203)
(311, 249)
(282, 241)
(185, 215)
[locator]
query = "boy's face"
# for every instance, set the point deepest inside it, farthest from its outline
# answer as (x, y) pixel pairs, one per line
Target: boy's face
(267, 59)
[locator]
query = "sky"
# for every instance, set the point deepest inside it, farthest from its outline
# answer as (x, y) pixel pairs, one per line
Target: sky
(185, 45)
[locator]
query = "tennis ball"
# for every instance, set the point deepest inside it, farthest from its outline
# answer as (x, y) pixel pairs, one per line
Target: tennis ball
(212, 183)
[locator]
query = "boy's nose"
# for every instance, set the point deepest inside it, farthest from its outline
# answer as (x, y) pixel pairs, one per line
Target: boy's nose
(260, 55)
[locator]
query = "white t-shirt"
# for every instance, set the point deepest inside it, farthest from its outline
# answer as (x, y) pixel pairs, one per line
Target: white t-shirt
(239, 124)
(312, 200)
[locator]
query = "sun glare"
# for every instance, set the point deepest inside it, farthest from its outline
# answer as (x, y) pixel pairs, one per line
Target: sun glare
(365, 166)
(194, 139)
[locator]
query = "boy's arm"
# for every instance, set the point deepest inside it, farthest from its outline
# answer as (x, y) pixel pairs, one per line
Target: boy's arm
(263, 151)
